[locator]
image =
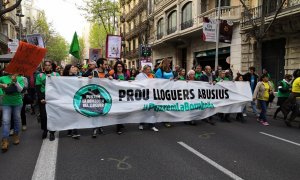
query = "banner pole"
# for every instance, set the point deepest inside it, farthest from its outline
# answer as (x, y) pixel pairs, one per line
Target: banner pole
(218, 34)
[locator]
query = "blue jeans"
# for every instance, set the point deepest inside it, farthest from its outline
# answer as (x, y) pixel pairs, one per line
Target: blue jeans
(263, 105)
(15, 111)
(253, 105)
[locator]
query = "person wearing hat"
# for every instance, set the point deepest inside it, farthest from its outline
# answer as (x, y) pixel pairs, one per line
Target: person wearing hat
(92, 70)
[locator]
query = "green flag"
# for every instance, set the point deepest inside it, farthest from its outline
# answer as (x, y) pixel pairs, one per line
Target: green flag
(75, 49)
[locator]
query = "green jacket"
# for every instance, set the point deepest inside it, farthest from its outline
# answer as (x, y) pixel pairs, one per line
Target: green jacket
(224, 79)
(16, 98)
(284, 89)
(40, 84)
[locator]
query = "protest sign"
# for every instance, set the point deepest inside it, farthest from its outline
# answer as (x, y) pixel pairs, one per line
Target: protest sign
(35, 39)
(13, 46)
(89, 103)
(26, 59)
(209, 29)
(113, 47)
(95, 54)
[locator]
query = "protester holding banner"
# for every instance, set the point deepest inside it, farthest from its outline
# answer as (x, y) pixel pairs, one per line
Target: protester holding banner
(181, 74)
(41, 89)
(92, 71)
(164, 72)
(121, 75)
(102, 73)
(207, 76)
(191, 77)
(133, 74)
(102, 68)
(12, 86)
(239, 116)
(222, 78)
(146, 74)
(198, 72)
(71, 70)
(262, 93)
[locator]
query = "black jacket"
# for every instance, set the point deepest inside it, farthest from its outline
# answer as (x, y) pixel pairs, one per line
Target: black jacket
(247, 77)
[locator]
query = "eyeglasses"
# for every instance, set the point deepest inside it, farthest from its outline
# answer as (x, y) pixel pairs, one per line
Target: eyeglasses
(119, 66)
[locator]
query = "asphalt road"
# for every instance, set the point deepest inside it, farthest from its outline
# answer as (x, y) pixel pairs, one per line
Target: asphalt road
(225, 151)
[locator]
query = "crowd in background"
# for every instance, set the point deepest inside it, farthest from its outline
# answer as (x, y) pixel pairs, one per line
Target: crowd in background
(21, 92)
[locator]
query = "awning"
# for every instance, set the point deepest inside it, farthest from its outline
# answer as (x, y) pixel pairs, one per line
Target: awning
(5, 58)
(210, 53)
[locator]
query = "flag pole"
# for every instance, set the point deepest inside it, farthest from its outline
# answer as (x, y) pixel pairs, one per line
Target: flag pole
(218, 34)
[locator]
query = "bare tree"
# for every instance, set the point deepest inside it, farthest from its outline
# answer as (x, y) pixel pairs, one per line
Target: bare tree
(258, 31)
(6, 10)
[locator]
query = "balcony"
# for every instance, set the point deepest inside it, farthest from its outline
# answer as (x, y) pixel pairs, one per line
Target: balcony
(171, 30)
(142, 4)
(132, 54)
(187, 24)
(138, 29)
(232, 13)
(227, 12)
(11, 16)
(255, 14)
(161, 5)
(3, 39)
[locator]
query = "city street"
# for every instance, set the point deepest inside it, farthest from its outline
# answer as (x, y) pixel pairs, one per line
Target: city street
(225, 151)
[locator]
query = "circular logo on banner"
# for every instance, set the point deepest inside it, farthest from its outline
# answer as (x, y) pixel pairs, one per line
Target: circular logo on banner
(92, 101)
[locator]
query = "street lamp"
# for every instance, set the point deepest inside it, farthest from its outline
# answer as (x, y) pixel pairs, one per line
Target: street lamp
(20, 15)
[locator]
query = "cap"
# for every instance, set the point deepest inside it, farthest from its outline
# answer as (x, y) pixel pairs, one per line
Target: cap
(93, 63)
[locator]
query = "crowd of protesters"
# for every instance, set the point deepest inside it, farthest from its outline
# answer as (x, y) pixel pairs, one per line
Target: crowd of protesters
(18, 92)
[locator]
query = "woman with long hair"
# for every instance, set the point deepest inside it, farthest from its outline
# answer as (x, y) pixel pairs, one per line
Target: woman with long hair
(262, 93)
(165, 72)
(121, 75)
(71, 70)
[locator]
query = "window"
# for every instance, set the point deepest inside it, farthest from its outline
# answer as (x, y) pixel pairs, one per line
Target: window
(223, 3)
(5, 29)
(172, 22)
(187, 20)
(160, 29)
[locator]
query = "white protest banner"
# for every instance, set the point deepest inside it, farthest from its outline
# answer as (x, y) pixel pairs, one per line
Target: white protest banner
(113, 46)
(209, 29)
(76, 103)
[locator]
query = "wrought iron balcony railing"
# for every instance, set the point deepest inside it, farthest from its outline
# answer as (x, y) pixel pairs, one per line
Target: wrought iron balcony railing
(159, 35)
(187, 24)
(255, 14)
(172, 30)
(142, 5)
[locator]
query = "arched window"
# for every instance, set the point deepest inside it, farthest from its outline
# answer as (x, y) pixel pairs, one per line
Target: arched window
(172, 22)
(160, 29)
(186, 18)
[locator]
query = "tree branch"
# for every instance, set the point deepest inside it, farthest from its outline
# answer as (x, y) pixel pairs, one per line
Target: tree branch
(4, 11)
(247, 12)
(272, 22)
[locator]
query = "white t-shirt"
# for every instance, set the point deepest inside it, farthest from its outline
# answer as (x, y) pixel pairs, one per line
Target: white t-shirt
(141, 76)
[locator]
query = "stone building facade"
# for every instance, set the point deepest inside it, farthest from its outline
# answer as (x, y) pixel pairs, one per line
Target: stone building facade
(280, 50)
(134, 27)
(177, 33)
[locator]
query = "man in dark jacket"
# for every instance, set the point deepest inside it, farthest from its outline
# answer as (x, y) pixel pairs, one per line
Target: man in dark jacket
(252, 78)
(207, 76)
